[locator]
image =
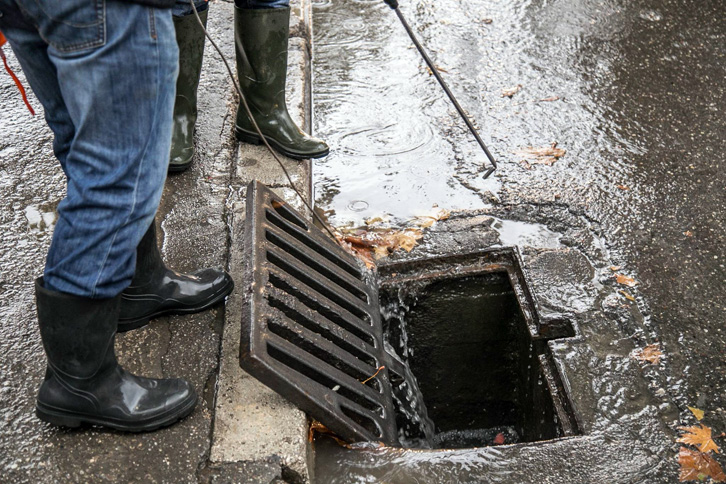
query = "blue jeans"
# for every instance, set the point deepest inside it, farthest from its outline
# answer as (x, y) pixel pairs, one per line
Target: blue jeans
(183, 8)
(105, 73)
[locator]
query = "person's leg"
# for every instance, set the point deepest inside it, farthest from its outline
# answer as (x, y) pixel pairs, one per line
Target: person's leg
(190, 39)
(261, 33)
(119, 97)
(78, 60)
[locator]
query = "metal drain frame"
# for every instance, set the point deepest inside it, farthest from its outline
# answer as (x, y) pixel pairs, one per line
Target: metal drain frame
(505, 259)
(311, 327)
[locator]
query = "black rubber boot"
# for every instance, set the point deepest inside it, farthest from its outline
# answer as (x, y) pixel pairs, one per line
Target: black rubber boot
(262, 72)
(156, 290)
(190, 39)
(83, 381)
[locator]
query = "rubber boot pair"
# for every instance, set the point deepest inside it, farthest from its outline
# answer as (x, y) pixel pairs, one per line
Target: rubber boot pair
(84, 382)
(261, 38)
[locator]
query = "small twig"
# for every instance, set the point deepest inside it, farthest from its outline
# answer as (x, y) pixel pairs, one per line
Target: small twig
(373, 376)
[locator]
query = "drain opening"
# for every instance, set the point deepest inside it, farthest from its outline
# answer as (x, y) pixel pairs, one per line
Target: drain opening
(483, 377)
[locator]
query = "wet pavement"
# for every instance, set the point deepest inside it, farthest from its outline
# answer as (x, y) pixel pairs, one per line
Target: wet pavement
(195, 221)
(634, 92)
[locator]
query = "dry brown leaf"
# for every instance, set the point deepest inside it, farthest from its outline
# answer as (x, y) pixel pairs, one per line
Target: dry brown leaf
(318, 427)
(614, 268)
(541, 156)
(627, 296)
(426, 221)
(371, 245)
(438, 68)
(406, 240)
(699, 436)
(650, 354)
(697, 466)
(697, 412)
(626, 280)
(623, 187)
(511, 91)
(688, 233)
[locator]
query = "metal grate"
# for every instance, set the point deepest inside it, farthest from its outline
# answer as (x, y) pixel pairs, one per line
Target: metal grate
(311, 327)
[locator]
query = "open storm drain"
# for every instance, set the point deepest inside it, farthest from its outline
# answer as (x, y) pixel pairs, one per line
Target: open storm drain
(478, 369)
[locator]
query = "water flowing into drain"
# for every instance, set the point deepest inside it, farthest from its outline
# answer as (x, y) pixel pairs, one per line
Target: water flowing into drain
(415, 427)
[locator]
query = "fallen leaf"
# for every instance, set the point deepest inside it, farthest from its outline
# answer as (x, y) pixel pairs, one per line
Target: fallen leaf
(688, 233)
(697, 466)
(650, 354)
(614, 268)
(426, 221)
(371, 245)
(541, 156)
(440, 69)
(627, 296)
(698, 436)
(511, 91)
(697, 412)
(623, 187)
(626, 280)
(406, 240)
(550, 99)
(318, 427)
(377, 220)
(499, 439)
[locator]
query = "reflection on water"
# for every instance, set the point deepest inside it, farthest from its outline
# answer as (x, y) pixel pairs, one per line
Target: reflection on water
(394, 138)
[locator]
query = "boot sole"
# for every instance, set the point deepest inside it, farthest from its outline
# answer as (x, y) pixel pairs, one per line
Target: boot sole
(64, 418)
(254, 139)
(129, 324)
(178, 168)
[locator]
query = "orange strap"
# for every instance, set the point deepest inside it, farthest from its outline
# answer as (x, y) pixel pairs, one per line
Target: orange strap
(15, 78)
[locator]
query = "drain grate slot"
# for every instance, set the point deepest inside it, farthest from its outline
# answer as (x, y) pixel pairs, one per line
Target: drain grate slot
(344, 263)
(311, 327)
(341, 386)
(344, 319)
(291, 267)
(322, 350)
(321, 266)
(324, 330)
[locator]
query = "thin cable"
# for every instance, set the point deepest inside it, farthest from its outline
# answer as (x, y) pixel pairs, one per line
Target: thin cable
(238, 45)
(435, 72)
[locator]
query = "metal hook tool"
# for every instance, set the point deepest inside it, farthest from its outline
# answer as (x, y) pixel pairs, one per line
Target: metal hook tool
(394, 5)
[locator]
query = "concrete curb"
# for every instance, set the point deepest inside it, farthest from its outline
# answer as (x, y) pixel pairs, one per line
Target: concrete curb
(252, 423)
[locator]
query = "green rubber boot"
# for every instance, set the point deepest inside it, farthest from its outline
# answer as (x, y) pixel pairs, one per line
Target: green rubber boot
(190, 38)
(262, 71)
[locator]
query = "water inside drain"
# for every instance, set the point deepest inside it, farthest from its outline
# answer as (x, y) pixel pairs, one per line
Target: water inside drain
(484, 377)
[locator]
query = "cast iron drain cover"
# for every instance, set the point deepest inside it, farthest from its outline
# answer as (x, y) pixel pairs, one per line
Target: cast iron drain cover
(311, 327)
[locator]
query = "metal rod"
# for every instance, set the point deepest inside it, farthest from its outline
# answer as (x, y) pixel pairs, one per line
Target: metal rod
(394, 5)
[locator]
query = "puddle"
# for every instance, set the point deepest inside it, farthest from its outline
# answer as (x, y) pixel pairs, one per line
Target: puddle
(514, 233)
(41, 217)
